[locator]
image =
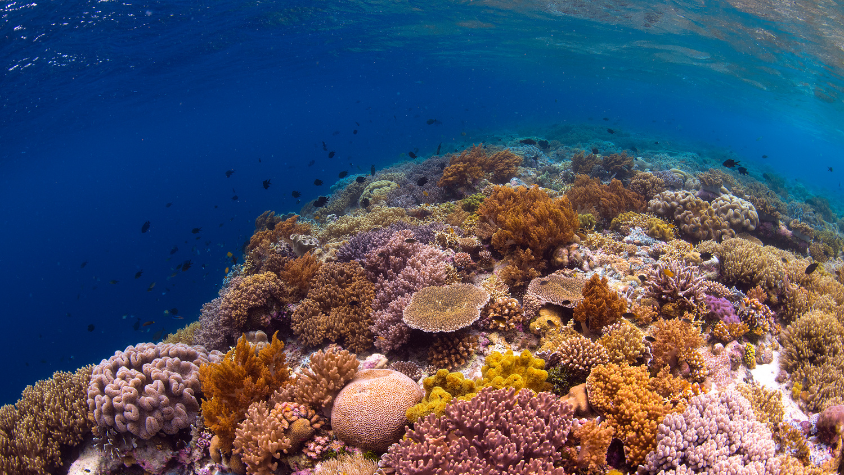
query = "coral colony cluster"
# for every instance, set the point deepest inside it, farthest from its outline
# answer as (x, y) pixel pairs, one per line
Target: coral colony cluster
(531, 309)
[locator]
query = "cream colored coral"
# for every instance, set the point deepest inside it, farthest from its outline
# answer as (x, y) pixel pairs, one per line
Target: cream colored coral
(557, 289)
(347, 464)
(623, 342)
(695, 216)
(745, 262)
(741, 214)
(377, 191)
(445, 309)
(360, 221)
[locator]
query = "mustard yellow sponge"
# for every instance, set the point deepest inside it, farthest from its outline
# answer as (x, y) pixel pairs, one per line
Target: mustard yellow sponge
(749, 356)
(508, 370)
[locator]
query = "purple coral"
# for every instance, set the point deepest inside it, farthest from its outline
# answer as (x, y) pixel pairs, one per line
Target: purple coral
(673, 281)
(497, 432)
(717, 433)
(361, 244)
(722, 308)
(148, 388)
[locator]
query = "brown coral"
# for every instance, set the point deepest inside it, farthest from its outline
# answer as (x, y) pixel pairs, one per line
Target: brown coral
(473, 164)
(318, 384)
(557, 289)
(618, 164)
(675, 342)
(298, 275)
(624, 342)
(338, 307)
(600, 305)
(446, 308)
(608, 201)
(452, 350)
(250, 301)
(579, 355)
(502, 314)
(583, 163)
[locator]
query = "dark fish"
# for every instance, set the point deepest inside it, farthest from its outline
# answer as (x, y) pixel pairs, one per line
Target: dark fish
(186, 265)
(354, 303)
(145, 227)
(266, 184)
(543, 144)
(829, 168)
(372, 170)
(742, 171)
(229, 173)
(730, 163)
(422, 181)
(595, 150)
(785, 260)
(331, 154)
(296, 194)
(157, 335)
(112, 281)
(764, 156)
(83, 264)
(606, 118)
(146, 324)
(544, 282)
(234, 260)
(611, 131)
(149, 289)
(168, 205)
(438, 148)
(234, 198)
(138, 274)
(174, 311)
(355, 131)
(650, 338)
(91, 327)
(811, 268)
(629, 315)
(433, 121)
(318, 182)
(137, 325)
(320, 202)
(705, 256)
(360, 179)
(635, 150)
(410, 241)
(68, 314)
(174, 250)
(365, 202)
(195, 230)
(643, 278)
(528, 141)
(411, 154)
(311, 162)
(566, 302)
(324, 147)
(685, 320)
(343, 174)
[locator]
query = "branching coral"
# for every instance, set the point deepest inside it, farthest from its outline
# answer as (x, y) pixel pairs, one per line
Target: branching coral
(618, 164)
(248, 304)
(600, 305)
(579, 355)
(50, 416)
(498, 432)
(338, 307)
(647, 184)
(675, 283)
(503, 313)
(318, 384)
(624, 342)
(298, 275)
(445, 309)
(451, 350)
(473, 164)
(745, 262)
(582, 163)
(587, 194)
(674, 345)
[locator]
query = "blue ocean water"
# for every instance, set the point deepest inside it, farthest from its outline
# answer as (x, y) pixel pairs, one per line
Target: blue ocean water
(111, 110)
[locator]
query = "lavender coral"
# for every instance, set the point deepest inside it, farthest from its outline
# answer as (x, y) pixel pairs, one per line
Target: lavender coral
(716, 434)
(495, 433)
(674, 282)
(148, 388)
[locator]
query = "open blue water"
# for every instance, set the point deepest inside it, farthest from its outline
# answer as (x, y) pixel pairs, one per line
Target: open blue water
(110, 110)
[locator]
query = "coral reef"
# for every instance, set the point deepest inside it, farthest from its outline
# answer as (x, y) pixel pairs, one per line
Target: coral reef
(503, 313)
(440, 389)
(451, 350)
(249, 303)
(509, 370)
(600, 305)
(588, 195)
(317, 385)
(148, 388)
(445, 309)
(623, 342)
(675, 283)
(473, 164)
(695, 217)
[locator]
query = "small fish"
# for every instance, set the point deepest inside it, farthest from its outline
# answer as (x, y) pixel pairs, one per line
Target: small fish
(266, 183)
(229, 254)
(595, 150)
(372, 170)
(335, 133)
(151, 286)
(566, 302)
(186, 265)
(410, 241)
(528, 141)
(296, 194)
(234, 198)
(227, 270)
(138, 274)
(433, 122)
(650, 338)
(343, 174)
(742, 171)
(331, 154)
(196, 230)
(318, 182)
(364, 202)
(91, 327)
(811, 268)
(321, 201)
(157, 335)
(174, 274)
(229, 173)
(629, 315)
(764, 156)
(611, 131)
(705, 256)
(829, 168)
(148, 323)
(606, 118)
(643, 278)
(686, 320)
(354, 131)
(360, 179)
(145, 227)
(137, 325)
(112, 281)
(785, 260)
(174, 250)
(82, 266)
(667, 273)
(168, 205)
(411, 154)
(425, 193)
(730, 163)
(234, 260)
(544, 282)
(438, 148)
(422, 181)
(324, 147)
(174, 311)
(311, 163)
(354, 303)
(177, 317)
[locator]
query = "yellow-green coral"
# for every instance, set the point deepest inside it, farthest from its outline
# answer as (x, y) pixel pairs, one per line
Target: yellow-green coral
(749, 356)
(659, 229)
(440, 390)
(509, 370)
(623, 342)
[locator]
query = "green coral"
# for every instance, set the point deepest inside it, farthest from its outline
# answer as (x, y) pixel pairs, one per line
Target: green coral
(587, 221)
(561, 381)
(511, 371)
(472, 202)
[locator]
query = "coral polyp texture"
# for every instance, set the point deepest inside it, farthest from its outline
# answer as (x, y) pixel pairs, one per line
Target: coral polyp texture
(445, 309)
(148, 388)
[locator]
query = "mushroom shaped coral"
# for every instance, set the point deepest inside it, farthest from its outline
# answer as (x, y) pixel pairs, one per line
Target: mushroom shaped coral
(445, 309)
(370, 412)
(557, 289)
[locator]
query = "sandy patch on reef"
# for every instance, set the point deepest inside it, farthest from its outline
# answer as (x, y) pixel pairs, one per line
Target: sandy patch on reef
(766, 375)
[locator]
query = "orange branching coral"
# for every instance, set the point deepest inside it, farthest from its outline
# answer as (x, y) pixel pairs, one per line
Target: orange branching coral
(473, 164)
(243, 377)
(619, 164)
(298, 274)
(582, 163)
(600, 305)
(249, 302)
(608, 201)
(594, 442)
(317, 385)
(272, 230)
(528, 218)
(338, 306)
(522, 267)
(675, 342)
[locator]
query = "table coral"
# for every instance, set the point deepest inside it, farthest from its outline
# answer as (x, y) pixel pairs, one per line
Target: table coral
(600, 305)
(338, 307)
(446, 308)
(498, 432)
(148, 388)
(557, 289)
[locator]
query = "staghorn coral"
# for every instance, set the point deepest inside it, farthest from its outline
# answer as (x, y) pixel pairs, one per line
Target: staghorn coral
(473, 164)
(231, 385)
(497, 432)
(647, 184)
(148, 388)
(267, 433)
(370, 411)
(445, 309)
(318, 384)
(695, 217)
(624, 342)
(49, 417)
(600, 305)
(452, 350)
(248, 304)
(338, 307)
(509, 370)
(675, 283)
(717, 433)
(608, 201)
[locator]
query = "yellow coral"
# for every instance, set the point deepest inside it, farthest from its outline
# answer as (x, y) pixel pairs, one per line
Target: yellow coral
(508, 370)
(623, 342)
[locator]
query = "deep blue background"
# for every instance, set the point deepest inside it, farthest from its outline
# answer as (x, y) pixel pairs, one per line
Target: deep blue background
(110, 111)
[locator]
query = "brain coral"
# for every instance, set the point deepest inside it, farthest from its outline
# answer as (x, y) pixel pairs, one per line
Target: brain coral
(148, 388)
(370, 412)
(445, 309)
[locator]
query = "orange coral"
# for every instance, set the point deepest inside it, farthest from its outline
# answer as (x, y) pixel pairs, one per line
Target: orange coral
(594, 442)
(675, 342)
(473, 164)
(243, 377)
(608, 201)
(298, 274)
(600, 305)
(619, 164)
(647, 184)
(582, 163)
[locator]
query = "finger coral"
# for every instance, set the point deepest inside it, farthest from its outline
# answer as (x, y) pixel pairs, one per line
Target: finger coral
(675, 283)
(624, 342)
(498, 432)
(232, 384)
(608, 201)
(317, 385)
(600, 305)
(445, 309)
(675, 342)
(338, 307)
(473, 164)
(502, 314)
(49, 417)
(148, 388)
(451, 350)
(647, 184)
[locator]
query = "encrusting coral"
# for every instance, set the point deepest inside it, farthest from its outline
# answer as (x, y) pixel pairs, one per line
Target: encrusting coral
(49, 417)
(148, 388)
(600, 305)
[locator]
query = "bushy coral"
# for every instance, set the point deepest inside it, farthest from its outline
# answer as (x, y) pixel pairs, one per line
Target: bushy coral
(475, 163)
(746, 262)
(451, 350)
(694, 216)
(674, 345)
(579, 355)
(600, 305)
(317, 385)
(497, 432)
(647, 184)
(673, 282)
(248, 304)
(607, 201)
(624, 342)
(503, 313)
